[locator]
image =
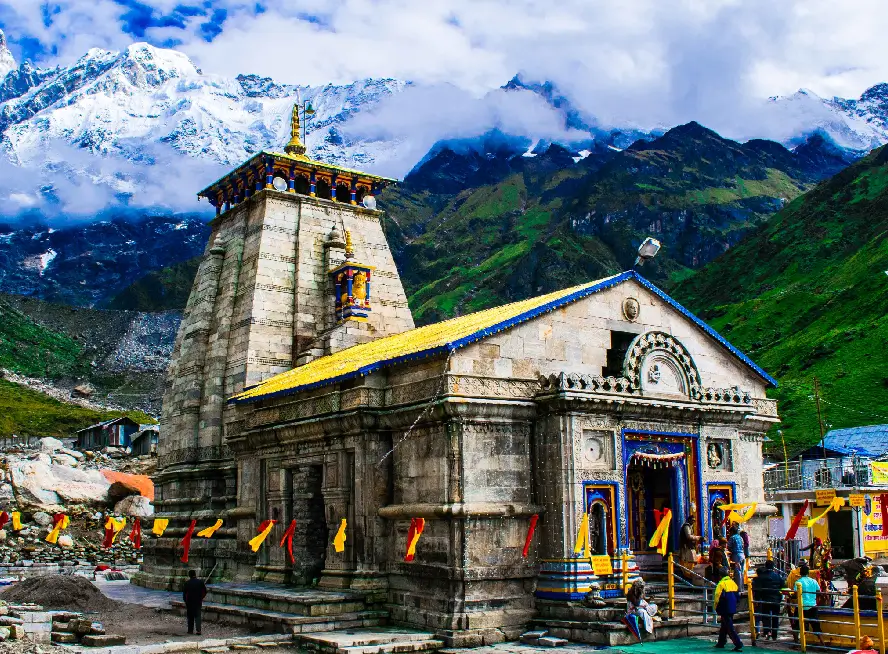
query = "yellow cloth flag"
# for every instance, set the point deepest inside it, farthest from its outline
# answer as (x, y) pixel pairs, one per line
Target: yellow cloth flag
(734, 515)
(582, 544)
(17, 521)
(661, 534)
(258, 539)
(160, 525)
(836, 504)
(209, 531)
(116, 525)
(339, 540)
(53, 536)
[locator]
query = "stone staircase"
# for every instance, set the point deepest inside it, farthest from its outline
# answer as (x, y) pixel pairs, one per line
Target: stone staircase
(603, 626)
(384, 640)
(287, 609)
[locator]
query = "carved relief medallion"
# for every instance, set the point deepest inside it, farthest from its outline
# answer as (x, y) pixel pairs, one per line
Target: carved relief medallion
(631, 309)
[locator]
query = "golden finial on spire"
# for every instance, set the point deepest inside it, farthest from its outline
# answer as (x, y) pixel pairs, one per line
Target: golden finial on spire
(295, 147)
(349, 246)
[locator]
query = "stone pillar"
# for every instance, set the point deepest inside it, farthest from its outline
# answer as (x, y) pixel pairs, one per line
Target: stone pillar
(194, 347)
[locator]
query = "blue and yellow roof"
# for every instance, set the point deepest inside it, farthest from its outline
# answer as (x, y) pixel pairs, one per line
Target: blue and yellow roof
(448, 336)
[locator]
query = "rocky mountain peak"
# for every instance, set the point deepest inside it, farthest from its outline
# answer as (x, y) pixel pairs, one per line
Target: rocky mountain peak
(7, 61)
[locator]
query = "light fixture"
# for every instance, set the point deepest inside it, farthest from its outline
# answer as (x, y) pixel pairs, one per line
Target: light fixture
(647, 250)
(309, 110)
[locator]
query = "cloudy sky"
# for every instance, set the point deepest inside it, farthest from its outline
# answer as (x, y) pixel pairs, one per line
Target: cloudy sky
(609, 53)
(648, 63)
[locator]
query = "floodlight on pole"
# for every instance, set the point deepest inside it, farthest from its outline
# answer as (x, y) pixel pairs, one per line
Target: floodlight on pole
(647, 250)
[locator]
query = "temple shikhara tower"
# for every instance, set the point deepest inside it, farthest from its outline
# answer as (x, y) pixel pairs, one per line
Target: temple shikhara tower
(300, 389)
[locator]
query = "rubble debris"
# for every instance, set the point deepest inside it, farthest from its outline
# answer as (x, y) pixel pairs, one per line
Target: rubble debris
(71, 592)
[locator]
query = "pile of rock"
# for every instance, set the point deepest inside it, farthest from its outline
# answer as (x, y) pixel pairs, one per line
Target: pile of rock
(69, 628)
(11, 624)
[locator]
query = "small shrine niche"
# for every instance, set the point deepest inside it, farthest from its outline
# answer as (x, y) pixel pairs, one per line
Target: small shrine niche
(351, 283)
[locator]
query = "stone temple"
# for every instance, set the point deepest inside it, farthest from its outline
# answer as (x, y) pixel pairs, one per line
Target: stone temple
(300, 388)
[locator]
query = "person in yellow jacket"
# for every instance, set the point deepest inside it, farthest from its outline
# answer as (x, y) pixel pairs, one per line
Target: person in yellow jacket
(724, 603)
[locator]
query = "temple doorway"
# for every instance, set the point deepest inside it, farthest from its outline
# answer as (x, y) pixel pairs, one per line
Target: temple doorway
(311, 537)
(651, 492)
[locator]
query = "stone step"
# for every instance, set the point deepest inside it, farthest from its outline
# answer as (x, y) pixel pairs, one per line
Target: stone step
(371, 641)
(308, 602)
(286, 622)
(615, 633)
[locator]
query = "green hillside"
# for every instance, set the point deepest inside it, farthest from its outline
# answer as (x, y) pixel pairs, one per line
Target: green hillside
(807, 295)
(538, 224)
(32, 350)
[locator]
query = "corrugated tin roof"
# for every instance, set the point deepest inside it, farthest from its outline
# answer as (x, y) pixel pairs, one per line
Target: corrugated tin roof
(448, 336)
(871, 440)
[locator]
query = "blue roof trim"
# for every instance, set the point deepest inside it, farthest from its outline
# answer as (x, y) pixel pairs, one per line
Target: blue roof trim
(511, 322)
(706, 328)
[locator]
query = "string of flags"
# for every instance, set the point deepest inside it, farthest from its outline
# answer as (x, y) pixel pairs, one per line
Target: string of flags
(114, 527)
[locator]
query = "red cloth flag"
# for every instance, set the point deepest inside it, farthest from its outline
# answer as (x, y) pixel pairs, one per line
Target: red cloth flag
(796, 522)
(4, 518)
(288, 539)
(413, 534)
(136, 534)
(108, 541)
(186, 542)
(532, 528)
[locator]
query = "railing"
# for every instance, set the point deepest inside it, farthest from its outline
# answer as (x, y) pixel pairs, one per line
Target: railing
(823, 628)
(808, 474)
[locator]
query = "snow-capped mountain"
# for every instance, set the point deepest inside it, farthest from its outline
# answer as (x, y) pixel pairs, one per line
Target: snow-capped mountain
(7, 62)
(121, 102)
(860, 124)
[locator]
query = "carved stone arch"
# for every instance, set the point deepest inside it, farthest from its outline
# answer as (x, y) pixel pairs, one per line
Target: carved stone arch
(651, 342)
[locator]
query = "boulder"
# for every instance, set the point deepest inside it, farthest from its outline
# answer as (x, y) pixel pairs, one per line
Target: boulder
(47, 487)
(124, 485)
(6, 495)
(65, 541)
(73, 453)
(64, 460)
(50, 444)
(42, 518)
(83, 390)
(135, 506)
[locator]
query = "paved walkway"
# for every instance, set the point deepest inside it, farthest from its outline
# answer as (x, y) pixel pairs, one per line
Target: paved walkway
(676, 646)
(124, 591)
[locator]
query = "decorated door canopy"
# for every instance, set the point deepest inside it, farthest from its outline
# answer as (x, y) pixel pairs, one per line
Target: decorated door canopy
(655, 458)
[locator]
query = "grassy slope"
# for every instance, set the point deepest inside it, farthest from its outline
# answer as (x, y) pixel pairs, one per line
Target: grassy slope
(807, 295)
(540, 229)
(32, 350)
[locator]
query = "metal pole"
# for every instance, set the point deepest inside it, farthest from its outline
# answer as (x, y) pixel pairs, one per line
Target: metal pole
(785, 459)
(624, 570)
(879, 608)
(856, 604)
(819, 419)
(751, 612)
(802, 644)
(670, 572)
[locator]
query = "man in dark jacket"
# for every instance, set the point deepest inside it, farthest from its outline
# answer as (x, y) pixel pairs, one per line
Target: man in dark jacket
(766, 593)
(725, 604)
(193, 595)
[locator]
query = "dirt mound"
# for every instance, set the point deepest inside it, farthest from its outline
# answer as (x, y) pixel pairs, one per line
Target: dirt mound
(70, 592)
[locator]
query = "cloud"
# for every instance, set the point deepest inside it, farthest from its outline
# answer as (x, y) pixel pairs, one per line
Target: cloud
(420, 116)
(72, 184)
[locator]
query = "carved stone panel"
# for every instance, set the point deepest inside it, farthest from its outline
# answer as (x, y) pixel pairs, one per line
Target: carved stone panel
(718, 455)
(597, 449)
